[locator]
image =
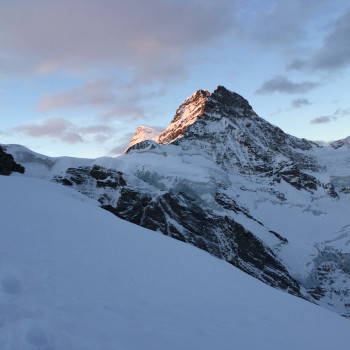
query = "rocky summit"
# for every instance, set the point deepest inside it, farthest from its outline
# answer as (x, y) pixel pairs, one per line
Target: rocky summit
(223, 179)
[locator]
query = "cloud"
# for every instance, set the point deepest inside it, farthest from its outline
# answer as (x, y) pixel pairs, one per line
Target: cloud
(322, 120)
(94, 94)
(300, 102)
(59, 129)
(342, 112)
(281, 84)
(339, 113)
(115, 98)
(297, 64)
(149, 39)
(334, 54)
(281, 23)
(47, 67)
(49, 127)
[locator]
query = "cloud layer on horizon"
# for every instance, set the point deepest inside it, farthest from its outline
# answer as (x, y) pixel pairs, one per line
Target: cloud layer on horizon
(60, 129)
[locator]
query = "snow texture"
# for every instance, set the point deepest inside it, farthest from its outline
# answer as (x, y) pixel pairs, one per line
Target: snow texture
(73, 276)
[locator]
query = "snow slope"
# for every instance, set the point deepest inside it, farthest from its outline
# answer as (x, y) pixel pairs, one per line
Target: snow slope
(73, 276)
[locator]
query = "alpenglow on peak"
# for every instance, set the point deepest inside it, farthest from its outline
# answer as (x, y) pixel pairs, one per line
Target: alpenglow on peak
(222, 103)
(195, 106)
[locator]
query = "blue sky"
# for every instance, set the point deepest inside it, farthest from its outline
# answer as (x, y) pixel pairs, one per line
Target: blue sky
(78, 77)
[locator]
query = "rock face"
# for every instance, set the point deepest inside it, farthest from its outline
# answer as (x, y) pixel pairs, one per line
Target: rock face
(341, 143)
(180, 217)
(329, 282)
(188, 112)
(229, 131)
(8, 165)
(226, 181)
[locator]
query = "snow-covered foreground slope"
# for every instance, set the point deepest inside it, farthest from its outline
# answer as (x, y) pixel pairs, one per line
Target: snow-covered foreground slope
(73, 276)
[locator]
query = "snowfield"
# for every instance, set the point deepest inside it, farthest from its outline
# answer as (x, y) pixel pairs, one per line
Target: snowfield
(73, 276)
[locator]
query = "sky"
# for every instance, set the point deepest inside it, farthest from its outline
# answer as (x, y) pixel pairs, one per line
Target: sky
(77, 77)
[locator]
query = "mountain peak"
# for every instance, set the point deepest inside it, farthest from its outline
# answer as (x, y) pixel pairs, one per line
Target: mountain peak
(203, 102)
(221, 102)
(144, 133)
(197, 95)
(188, 112)
(229, 98)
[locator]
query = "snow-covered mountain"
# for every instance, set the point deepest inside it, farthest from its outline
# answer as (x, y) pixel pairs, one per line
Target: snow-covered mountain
(341, 143)
(75, 277)
(144, 133)
(188, 112)
(226, 181)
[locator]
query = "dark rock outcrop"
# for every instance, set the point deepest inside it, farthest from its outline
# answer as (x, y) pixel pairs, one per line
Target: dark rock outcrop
(95, 181)
(8, 164)
(341, 143)
(180, 217)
